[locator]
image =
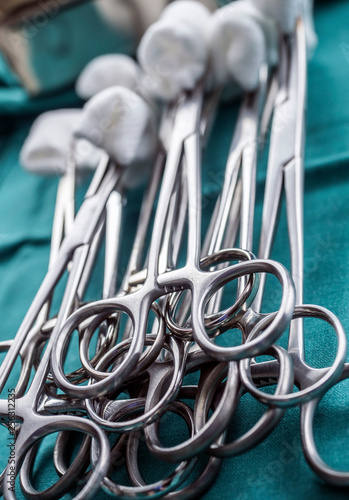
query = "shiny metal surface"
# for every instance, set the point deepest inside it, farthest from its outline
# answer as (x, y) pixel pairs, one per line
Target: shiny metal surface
(141, 344)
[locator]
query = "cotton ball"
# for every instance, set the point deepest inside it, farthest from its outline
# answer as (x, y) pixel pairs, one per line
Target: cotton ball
(190, 12)
(86, 154)
(47, 146)
(174, 51)
(106, 71)
(238, 49)
(267, 23)
(120, 122)
(173, 58)
(246, 55)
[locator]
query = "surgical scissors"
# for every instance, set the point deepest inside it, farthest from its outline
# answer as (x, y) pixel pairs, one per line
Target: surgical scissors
(285, 167)
(63, 218)
(75, 247)
(242, 156)
(50, 404)
(244, 149)
(237, 196)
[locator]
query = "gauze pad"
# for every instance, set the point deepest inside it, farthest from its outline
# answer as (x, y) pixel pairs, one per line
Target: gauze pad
(120, 122)
(238, 48)
(107, 71)
(174, 51)
(50, 141)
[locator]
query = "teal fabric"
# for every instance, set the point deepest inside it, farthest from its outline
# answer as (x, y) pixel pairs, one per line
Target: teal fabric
(16, 103)
(59, 40)
(276, 469)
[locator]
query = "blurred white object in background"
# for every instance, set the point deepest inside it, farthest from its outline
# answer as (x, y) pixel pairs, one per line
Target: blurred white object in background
(107, 71)
(122, 123)
(238, 46)
(49, 143)
(173, 52)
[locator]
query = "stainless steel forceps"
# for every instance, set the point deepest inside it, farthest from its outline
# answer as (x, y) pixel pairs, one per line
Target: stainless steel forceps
(285, 169)
(75, 249)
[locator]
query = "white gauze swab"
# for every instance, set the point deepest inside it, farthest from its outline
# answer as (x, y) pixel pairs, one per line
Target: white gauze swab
(239, 45)
(123, 124)
(174, 51)
(107, 71)
(49, 142)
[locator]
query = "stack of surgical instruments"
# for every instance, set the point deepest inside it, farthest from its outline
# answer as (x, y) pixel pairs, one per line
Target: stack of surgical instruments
(179, 333)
